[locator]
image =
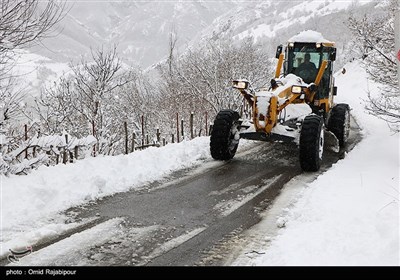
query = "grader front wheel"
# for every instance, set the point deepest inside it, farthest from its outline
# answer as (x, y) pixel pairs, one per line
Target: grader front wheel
(311, 143)
(224, 138)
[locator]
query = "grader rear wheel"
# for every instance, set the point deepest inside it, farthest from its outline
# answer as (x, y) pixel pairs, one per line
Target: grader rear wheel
(339, 122)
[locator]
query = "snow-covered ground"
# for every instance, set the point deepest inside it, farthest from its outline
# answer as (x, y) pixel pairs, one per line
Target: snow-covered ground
(349, 215)
(307, 10)
(35, 71)
(30, 204)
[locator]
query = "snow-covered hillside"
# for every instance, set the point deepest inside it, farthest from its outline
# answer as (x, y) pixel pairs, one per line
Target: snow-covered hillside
(34, 71)
(270, 23)
(140, 29)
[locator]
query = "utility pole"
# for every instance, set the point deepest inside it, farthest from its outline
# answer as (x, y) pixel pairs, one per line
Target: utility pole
(397, 40)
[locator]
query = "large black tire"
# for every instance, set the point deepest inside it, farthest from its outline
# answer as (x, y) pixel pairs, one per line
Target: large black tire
(224, 138)
(311, 143)
(339, 122)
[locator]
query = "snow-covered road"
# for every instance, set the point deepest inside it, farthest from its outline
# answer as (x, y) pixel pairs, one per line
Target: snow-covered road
(180, 219)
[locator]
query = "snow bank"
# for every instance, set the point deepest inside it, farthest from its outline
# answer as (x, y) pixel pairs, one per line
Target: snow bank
(350, 214)
(28, 201)
(69, 250)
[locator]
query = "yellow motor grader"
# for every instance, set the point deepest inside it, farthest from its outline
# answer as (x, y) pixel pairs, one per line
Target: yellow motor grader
(297, 106)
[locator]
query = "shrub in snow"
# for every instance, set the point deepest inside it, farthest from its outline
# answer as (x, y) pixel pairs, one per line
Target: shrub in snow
(39, 151)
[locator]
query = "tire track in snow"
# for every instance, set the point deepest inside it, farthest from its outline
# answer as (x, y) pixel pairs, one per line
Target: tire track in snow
(171, 244)
(227, 207)
(69, 250)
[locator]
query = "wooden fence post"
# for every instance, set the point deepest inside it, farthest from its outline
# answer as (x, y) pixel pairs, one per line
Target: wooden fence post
(34, 148)
(126, 137)
(65, 154)
(76, 152)
(173, 138)
(158, 135)
(206, 124)
(191, 125)
(183, 135)
(26, 139)
(163, 142)
(93, 132)
(177, 127)
(143, 130)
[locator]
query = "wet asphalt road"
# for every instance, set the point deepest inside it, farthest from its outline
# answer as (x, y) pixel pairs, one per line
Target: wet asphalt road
(177, 221)
(219, 200)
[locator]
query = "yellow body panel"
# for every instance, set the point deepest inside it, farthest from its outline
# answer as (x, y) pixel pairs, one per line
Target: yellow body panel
(321, 72)
(255, 114)
(279, 66)
(288, 101)
(286, 93)
(272, 114)
(326, 44)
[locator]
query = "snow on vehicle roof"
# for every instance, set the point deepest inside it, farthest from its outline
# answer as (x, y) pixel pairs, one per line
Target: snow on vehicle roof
(309, 36)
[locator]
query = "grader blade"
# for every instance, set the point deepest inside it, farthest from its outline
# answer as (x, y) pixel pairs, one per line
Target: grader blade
(262, 136)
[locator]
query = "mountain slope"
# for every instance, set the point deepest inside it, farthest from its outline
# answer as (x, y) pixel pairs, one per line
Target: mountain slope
(139, 29)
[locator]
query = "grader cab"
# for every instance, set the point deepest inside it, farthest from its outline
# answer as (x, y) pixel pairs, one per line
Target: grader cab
(298, 105)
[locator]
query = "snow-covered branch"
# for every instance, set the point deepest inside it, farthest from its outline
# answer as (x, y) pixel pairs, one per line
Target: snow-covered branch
(374, 36)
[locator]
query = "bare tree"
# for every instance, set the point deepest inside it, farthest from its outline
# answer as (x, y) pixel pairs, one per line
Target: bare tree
(25, 22)
(172, 40)
(97, 98)
(22, 23)
(201, 79)
(55, 109)
(11, 98)
(375, 39)
(83, 101)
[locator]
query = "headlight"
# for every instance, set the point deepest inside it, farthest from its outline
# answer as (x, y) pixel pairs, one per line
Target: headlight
(297, 89)
(240, 84)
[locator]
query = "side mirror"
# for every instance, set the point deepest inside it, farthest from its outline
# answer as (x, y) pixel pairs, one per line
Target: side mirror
(278, 51)
(332, 56)
(334, 91)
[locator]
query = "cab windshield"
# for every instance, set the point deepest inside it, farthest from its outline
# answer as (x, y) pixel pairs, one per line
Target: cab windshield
(297, 59)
